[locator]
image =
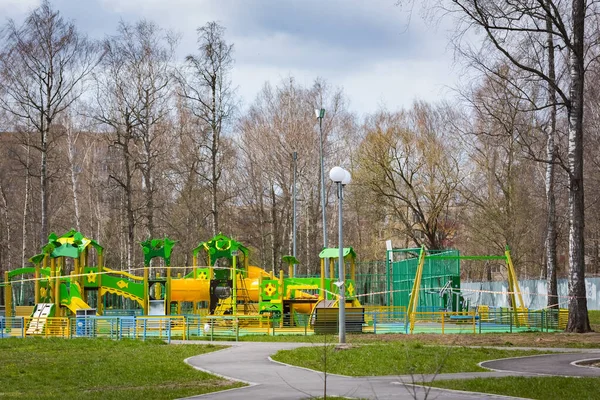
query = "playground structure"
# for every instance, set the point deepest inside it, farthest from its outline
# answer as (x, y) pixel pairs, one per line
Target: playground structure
(222, 294)
(66, 284)
(442, 275)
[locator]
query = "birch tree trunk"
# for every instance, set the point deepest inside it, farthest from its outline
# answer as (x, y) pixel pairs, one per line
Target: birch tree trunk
(25, 213)
(550, 243)
(578, 317)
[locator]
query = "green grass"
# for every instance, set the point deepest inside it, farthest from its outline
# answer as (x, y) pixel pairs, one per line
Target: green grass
(594, 316)
(394, 358)
(546, 388)
(102, 369)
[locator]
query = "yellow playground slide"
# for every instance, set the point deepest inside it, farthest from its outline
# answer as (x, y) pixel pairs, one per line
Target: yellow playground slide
(75, 304)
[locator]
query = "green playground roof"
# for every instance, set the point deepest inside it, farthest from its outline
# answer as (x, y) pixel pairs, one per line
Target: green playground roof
(71, 244)
(334, 252)
(221, 244)
(290, 260)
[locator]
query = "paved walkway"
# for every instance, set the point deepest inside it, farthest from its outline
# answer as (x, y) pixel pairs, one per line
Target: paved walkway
(249, 362)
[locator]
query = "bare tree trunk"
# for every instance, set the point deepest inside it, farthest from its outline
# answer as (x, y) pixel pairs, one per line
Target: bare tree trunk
(578, 316)
(72, 140)
(44, 186)
(25, 213)
(263, 234)
(214, 180)
(7, 261)
(130, 222)
(149, 194)
(273, 230)
(550, 242)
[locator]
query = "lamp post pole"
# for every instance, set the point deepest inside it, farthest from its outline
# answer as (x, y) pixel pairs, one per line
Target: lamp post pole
(295, 158)
(341, 268)
(342, 178)
(320, 113)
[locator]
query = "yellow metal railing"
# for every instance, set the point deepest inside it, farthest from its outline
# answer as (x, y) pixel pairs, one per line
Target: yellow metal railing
(47, 327)
(376, 320)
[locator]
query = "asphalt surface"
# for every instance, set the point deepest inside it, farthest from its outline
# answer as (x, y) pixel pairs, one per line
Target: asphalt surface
(549, 364)
(250, 362)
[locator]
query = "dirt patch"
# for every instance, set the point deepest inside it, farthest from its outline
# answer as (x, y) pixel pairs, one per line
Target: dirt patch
(530, 339)
(591, 363)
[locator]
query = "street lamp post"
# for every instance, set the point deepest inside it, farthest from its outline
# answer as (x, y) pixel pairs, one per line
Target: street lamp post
(341, 177)
(295, 158)
(320, 114)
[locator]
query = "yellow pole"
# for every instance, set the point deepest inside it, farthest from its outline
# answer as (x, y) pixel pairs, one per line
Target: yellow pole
(7, 296)
(291, 270)
(168, 293)
(331, 268)
(516, 287)
(513, 285)
(99, 304)
(82, 264)
(36, 284)
(282, 293)
(234, 283)
(51, 282)
(322, 294)
(76, 266)
(414, 296)
(146, 294)
(57, 274)
(352, 270)
(194, 266)
(259, 287)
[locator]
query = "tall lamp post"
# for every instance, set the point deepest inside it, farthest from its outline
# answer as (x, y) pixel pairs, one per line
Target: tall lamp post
(295, 158)
(341, 177)
(320, 114)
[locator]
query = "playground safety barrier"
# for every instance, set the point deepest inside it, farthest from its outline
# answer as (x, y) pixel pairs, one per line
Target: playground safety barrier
(230, 327)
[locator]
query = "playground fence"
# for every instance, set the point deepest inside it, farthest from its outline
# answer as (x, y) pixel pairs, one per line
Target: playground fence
(194, 327)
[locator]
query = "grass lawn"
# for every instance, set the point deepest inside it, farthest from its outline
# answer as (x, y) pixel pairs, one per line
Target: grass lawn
(546, 388)
(394, 358)
(594, 316)
(102, 369)
(524, 339)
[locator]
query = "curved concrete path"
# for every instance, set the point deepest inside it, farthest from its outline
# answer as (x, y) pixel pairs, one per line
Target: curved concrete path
(250, 362)
(548, 364)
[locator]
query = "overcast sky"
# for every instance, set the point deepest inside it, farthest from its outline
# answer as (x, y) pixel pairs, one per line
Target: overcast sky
(369, 48)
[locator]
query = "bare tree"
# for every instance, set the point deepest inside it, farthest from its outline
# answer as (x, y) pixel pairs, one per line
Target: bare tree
(206, 87)
(133, 102)
(43, 65)
(279, 122)
(516, 32)
(408, 162)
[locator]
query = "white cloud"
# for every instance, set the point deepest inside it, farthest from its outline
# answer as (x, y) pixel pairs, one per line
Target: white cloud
(398, 84)
(364, 47)
(15, 8)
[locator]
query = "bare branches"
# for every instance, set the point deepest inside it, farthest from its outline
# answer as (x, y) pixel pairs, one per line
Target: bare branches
(43, 68)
